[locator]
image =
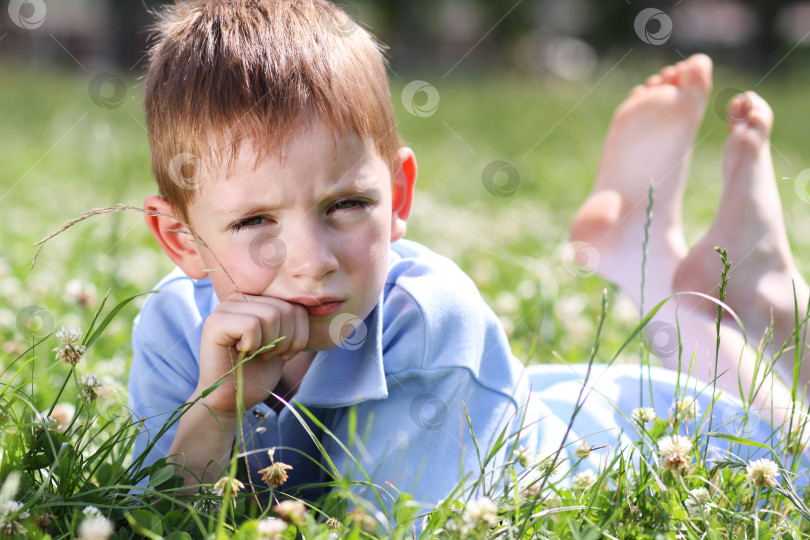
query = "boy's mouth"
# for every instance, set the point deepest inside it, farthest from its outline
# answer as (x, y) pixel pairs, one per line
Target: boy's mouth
(319, 307)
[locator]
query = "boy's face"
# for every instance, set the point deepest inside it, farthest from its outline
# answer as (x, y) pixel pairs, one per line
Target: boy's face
(311, 228)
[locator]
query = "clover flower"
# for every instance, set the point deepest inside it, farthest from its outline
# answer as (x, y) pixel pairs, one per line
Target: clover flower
(44, 422)
(524, 457)
(69, 351)
(366, 522)
(270, 529)
(222, 485)
(697, 501)
(95, 527)
(44, 521)
(290, 511)
(762, 472)
(583, 480)
(276, 474)
(481, 510)
(92, 512)
(88, 387)
(206, 502)
(83, 294)
(12, 526)
(63, 413)
(685, 409)
(642, 415)
(674, 451)
(333, 524)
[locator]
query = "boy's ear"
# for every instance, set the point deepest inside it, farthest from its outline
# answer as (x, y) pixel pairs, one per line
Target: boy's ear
(402, 192)
(177, 245)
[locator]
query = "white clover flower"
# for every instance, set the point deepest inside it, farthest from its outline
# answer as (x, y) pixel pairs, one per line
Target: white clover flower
(294, 512)
(481, 510)
(206, 502)
(88, 387)
(69, 351)
(674, 451)
(583, 480)
(95, 528)
(222, 484)
(270, 528)
(685, 409)
(642, 415)
(12, 526)
(524, 457)
(762, 472)
(46, 422)
(92, 512)
(79, 292)
(63, 413)
(697, 501)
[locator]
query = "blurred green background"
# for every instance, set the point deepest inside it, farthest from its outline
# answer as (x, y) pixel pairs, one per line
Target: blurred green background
(73, 138)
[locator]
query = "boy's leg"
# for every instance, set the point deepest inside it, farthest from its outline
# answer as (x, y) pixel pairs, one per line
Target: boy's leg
(649, 141)
(750, 226)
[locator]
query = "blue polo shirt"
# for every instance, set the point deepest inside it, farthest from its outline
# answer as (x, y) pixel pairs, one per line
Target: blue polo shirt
(395, 400)
(430, 360)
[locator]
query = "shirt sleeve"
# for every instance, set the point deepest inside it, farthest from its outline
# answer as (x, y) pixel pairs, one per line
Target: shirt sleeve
(165, 370)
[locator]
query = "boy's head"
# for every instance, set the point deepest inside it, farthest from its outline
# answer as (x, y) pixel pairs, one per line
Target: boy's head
(223, 72)
(298, 179)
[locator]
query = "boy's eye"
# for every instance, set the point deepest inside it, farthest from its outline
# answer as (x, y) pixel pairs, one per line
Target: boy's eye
(249, 222)
(348, 204)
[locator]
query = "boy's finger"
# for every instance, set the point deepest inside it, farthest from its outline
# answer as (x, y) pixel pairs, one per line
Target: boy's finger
(243, 331)
(301, 335)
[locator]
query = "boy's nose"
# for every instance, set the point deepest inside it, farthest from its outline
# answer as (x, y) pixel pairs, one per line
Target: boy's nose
(309, 255)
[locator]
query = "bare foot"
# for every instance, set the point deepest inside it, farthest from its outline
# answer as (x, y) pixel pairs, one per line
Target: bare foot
(650, 141)
(750, 226)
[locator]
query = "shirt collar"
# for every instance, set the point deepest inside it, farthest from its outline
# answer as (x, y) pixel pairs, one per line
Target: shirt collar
(351, 372)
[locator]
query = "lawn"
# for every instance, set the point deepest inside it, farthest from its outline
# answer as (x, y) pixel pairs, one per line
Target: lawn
(63, 154)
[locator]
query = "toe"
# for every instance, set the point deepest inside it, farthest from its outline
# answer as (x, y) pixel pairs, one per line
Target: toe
(670, 75)
(739, 110)
(696, 72)
(761, 115)
(653, 80)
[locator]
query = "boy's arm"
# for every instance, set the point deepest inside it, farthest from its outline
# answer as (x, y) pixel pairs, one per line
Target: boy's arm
(238, 327)
(165, 374)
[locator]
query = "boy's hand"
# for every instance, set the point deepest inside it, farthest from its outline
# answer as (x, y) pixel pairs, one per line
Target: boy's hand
(238, 326)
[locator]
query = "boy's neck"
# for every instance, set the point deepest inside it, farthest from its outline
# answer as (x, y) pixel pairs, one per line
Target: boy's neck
(291, 376)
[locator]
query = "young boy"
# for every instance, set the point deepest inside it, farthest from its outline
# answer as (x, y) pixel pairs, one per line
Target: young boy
(275, 149)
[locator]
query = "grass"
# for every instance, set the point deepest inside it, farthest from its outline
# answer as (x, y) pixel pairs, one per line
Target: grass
(63, 155)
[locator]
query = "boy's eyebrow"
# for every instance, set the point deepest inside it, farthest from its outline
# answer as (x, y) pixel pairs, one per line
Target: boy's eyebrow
(358, 186)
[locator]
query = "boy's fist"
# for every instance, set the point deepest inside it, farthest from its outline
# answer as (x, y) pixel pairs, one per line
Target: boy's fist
(244, 326)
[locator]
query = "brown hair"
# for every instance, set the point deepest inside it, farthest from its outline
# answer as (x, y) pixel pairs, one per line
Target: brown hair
(225, 71)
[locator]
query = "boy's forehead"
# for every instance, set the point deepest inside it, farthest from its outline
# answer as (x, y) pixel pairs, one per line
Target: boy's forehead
(330, 147)
(340, 163)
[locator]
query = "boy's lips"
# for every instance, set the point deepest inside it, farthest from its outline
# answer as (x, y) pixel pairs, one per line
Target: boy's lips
(319, 307)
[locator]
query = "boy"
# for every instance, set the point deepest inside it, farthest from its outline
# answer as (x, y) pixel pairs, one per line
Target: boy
(274, 145)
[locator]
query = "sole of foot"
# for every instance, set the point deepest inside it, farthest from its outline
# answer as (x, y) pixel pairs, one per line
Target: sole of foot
(649, 142)
(750, 226)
